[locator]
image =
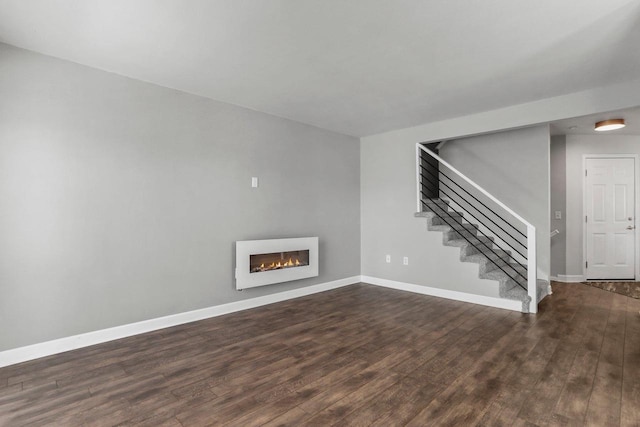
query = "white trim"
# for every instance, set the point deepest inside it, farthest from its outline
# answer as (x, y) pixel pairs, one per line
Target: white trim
(636, 202)
(532, 268)
(445, 293)
(35, 351)
(418, 180)
(571, 278)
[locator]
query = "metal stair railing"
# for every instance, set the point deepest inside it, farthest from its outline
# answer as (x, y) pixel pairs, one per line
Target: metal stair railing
(505, 263)
(444, 213)
(516, 245)
(470, 204)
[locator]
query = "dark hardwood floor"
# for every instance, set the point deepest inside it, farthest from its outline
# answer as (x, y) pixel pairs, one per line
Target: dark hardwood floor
(359, 355)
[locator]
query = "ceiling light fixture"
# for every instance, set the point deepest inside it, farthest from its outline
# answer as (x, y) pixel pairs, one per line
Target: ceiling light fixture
(612, 124)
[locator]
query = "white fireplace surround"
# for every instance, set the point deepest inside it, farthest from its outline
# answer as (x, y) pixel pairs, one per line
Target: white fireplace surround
(245, 248)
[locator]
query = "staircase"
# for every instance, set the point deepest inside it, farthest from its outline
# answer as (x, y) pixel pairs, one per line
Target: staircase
(493, 262)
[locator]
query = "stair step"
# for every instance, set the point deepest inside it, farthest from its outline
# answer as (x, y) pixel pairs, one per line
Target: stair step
(452, 226)
(448, 214)
(435, 205)
(473, 245)
(506, 282)
(488, 261)
(510, 266)
(435, 201)
(496, 254)
(469, 234)
(450, 217)
(513, 272)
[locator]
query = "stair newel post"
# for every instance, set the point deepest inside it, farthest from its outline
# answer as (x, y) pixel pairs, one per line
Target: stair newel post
(532, 283)
(418, 180)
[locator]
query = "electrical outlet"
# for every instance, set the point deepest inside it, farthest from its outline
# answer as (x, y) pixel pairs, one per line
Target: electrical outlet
(558, 215)
(388, 258)
(405, 260)
(254, 182)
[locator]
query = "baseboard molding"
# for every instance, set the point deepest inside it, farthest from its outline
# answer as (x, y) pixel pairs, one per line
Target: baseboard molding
(576, 278)
(35, 351)
(445, 293)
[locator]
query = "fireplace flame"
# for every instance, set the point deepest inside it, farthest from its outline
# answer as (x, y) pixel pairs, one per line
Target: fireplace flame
(278, 265)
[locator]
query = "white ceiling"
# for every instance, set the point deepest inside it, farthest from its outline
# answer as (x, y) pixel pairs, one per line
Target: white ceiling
(357, 67)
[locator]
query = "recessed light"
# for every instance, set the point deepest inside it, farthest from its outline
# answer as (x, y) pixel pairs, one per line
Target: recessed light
(572, 127)
(612, 124)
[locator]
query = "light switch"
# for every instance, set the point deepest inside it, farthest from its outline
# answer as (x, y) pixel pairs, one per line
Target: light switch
(254, 181)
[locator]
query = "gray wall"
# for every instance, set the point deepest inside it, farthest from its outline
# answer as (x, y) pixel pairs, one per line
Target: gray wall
(388, 192)
(577, 147)
(120, 200)
(558, 183)
(514, 167)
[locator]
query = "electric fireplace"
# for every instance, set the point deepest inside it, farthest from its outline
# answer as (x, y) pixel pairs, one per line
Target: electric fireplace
(264, 262)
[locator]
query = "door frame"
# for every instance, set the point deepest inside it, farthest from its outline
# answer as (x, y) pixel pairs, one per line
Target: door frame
(636, 207)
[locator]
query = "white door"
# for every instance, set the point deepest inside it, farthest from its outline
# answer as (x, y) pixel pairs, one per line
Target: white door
(610, 218)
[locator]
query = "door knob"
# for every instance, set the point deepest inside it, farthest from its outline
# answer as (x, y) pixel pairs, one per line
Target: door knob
(631, 227)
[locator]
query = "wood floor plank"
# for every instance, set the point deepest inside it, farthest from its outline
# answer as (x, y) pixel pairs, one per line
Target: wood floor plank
(605, 400)
(294, 417)
(337, 411)
(358, 355)
(388, 401)
(630, 410)
(574, 398)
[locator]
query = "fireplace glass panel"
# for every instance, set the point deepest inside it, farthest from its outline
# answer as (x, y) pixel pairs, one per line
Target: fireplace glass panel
(278, 261)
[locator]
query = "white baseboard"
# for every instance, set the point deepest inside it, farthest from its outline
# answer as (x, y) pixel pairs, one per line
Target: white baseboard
(576, 278)
(445, 293)
(35, 351)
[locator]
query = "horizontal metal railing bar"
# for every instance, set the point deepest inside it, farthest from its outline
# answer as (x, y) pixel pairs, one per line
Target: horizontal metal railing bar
(506, 251)
(532, 287)
(479, 240)
(479, 201)
(506, 260)
(507, 263)
(503, 239)
(480, 221)
(479, 211)
(476, 186)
